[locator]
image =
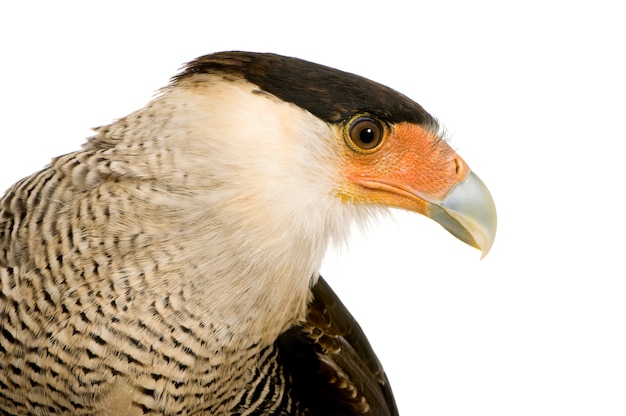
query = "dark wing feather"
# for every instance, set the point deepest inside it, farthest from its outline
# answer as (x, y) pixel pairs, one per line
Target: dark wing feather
(333, 368)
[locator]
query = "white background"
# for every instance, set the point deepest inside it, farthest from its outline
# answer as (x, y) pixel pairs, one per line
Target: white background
(533, 95)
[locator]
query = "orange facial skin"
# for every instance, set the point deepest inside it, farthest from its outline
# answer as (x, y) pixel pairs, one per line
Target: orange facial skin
(410, 169)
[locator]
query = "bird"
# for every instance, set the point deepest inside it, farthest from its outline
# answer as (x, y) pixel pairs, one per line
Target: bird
(171, 265)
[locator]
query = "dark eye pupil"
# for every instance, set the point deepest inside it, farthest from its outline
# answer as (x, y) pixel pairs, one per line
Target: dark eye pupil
(367, 135)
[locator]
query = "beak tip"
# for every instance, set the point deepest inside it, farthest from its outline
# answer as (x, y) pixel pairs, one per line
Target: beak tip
(484, 252)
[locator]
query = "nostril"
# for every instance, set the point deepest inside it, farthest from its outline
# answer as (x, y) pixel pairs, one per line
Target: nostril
(460, 167)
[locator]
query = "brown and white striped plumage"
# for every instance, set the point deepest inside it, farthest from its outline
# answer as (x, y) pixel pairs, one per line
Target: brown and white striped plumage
(171, 265)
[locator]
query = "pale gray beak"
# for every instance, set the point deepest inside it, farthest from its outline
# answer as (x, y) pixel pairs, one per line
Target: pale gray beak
(469, 213)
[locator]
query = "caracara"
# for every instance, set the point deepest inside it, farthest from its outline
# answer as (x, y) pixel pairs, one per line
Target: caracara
(171, 266)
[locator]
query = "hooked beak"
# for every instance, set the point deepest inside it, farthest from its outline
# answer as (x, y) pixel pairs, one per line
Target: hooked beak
(468, 213)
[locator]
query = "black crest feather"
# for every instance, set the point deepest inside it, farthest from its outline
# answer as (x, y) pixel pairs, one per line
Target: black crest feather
(328, 93)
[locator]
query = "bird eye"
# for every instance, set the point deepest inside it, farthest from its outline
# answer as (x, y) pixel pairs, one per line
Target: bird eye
(366, 133)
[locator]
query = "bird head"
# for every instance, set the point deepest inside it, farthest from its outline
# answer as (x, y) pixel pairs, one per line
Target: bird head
(342, 135)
